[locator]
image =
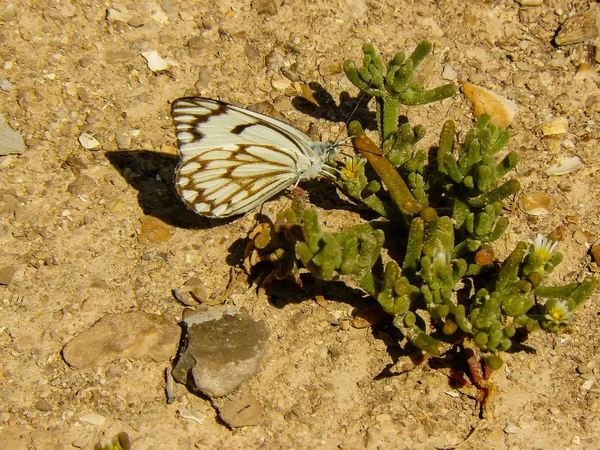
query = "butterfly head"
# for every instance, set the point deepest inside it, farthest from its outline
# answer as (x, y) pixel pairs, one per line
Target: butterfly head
(324, 154)
(325, 151)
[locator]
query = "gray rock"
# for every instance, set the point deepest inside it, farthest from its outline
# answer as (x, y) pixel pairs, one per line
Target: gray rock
(170, 6)
(6, 85)
(123, 139)
(191, 293)
(82, 185)
(43, 405)
(11, 142)
(6, 274)
(239, 410)
(200, 46)
(132, 335)
(222, 349)
(579, 28)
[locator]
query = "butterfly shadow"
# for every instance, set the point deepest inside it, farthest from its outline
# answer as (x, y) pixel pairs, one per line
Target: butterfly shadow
(152, 175)
(348, 108)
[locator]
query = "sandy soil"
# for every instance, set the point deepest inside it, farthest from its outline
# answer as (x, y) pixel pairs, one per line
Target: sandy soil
(82, 251)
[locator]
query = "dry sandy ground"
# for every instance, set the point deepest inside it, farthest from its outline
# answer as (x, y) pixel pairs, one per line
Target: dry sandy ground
(82, 251)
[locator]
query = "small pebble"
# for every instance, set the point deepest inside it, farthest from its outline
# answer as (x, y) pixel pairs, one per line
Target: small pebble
(6, 274)
(200, 46)
(588, 384)
(579, 28)
(170, 6)
(82, 185)
(156, 63)
(567, 165)
(136, 22)
(6, 85)
(79, 443)
(330, 69)
(555, 411)
(86, 61)
(113, 15)
(43, 405)
(170, 390)
(585, 72)
(535, 203)
(596, 253)
(190, 414)
(267, 7)
(273, 60)
(585, 367)
(281, 83)
(449, 73)
(511, 428)
(556, 125)
(88, 141)
(560, 231)
(123, 139)
(484, 256)
(11, 141)
(580, 237)
(290, 74)
(251, 52)
(502, 110)
(192, 292)
(93, 418)
(282, 103)
(154, 231)
(114, 205)
(239, 410)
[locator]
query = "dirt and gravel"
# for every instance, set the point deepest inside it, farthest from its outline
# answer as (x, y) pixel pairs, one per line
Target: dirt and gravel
(85, 232)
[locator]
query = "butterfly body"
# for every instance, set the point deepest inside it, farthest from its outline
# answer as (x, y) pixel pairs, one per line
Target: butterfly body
(233, 159)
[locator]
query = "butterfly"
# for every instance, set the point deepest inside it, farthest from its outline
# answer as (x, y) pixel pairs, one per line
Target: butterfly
(234, 159)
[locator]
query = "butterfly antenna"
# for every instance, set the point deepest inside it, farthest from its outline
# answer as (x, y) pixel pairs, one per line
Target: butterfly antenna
(347, 155)
(360, 98)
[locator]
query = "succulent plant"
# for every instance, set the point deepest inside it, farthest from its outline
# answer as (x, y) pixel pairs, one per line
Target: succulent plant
(119, 442)
(441, 211)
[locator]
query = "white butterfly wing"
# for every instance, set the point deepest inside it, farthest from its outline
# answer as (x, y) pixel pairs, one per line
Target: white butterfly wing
(233, 159)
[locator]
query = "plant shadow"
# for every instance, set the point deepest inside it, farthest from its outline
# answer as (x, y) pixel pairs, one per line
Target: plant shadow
(346, 109)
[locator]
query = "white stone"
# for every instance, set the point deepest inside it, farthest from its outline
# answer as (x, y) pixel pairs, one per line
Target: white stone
(88, 141)
(156, 63)
(567, 165)
(93, 418)
(556, 125)
(449, 73)
(190, 414)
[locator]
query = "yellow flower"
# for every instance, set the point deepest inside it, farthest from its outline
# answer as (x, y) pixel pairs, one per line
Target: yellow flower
(544, 248)
(353, 169)
(559, 313)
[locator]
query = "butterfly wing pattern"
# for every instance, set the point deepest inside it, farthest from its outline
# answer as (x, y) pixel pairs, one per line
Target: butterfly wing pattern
(234, 159)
